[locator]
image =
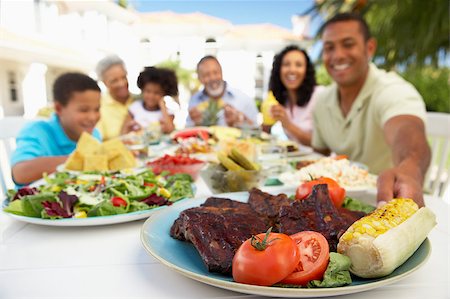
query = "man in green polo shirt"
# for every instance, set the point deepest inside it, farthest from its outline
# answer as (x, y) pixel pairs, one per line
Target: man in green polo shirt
(372, 116)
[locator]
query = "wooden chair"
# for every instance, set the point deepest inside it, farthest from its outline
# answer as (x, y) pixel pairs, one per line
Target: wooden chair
(438, 132)
(9, 129)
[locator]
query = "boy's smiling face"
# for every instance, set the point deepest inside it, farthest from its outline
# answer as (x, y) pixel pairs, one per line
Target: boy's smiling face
(81, 113)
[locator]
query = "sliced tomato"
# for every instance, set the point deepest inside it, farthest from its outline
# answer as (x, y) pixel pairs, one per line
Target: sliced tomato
(118, 201)
(314, 256)
(267, 265)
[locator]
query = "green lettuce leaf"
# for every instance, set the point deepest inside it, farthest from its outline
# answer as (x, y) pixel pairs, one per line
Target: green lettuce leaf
(337, 273)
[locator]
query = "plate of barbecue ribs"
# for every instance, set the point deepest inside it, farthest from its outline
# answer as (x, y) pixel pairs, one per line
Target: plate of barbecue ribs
(198, 238)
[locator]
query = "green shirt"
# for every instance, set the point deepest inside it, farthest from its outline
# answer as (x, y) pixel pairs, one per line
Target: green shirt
(360, 135)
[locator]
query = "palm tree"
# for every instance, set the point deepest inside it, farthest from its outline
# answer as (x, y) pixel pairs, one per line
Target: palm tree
(409, 32)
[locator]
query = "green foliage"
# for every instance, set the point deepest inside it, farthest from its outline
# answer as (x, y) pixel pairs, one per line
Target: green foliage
(409, 32)
(433, 85)
(322, 76)
(185, 77)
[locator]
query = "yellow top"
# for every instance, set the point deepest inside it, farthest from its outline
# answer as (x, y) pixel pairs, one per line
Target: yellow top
(113, 115)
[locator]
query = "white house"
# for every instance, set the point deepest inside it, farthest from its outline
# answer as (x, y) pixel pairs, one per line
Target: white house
(40, 39)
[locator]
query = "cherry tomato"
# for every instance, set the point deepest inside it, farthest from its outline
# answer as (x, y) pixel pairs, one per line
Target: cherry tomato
(265, 261)
(118, 201)
(314, 256)
(337, 193)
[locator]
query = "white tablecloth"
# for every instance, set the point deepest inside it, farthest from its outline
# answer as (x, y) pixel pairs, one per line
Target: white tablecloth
(110, 262)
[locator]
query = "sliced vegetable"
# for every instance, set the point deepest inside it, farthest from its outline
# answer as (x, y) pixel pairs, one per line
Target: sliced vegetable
(314, 256)
(118, 201)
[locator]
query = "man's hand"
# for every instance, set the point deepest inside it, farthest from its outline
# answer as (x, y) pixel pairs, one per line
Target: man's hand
(405, 134)
(196, 116)
(233, 117)
(397, 182)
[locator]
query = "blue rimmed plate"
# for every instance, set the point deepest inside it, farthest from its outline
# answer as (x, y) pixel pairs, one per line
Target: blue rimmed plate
(182, 257)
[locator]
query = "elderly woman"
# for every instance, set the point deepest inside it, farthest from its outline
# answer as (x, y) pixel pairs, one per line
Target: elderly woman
(114, 106)
(293, 94)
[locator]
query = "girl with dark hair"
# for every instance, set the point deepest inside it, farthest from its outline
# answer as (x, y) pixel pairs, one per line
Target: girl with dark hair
(155, 84)
(292, 95)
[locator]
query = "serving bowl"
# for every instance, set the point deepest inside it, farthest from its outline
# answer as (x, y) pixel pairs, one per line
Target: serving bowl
(220, 180)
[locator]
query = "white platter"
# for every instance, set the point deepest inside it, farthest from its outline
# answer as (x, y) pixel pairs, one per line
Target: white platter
(90, 221)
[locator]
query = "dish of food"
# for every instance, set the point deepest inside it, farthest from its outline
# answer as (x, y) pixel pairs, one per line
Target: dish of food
(184, 258)
(67, 199)
(92, 221)
(351, 176)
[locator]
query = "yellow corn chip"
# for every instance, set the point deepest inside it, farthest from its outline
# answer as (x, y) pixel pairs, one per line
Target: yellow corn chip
(87, 144)
(122, 161)
(75, 161)
(113, 148)
(95, 162)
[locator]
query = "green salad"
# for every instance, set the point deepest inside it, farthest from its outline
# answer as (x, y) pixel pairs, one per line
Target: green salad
(91, 194)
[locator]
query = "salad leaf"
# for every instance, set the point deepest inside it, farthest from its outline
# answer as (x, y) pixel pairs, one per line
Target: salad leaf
(14, 207)
(179, 177)
(105, 208)
(154, 199)
(54, 210)
(138, 206)
(337, 273)
(179, 190)
(24, 191)
(357, 205)
(32, 204)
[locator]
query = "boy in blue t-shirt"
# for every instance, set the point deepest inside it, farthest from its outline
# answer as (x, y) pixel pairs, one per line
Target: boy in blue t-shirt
(43, 145)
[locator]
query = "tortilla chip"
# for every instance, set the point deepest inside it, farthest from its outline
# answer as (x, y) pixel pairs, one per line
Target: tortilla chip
(113, 148)
(122, 161)
(95, 162)
(88, 145)
(75, 161)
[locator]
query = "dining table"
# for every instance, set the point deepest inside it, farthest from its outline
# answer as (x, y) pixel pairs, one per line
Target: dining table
(109, 261)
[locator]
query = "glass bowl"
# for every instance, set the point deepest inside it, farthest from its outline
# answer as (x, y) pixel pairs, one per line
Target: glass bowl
(220, 180)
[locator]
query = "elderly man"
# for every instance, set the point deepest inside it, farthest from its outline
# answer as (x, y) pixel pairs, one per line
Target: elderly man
(114, 106)
(372, 116)
(238, 109)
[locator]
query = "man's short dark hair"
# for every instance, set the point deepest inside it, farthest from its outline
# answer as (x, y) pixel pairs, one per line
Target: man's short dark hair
(207, 57)
(342, 17)
(68, 83)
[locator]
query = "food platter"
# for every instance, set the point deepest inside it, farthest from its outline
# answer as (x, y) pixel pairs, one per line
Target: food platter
(183, 258)
(99, 208)
(90, 221)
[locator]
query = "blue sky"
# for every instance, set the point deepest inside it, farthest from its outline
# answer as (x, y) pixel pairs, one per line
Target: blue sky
(237, 12)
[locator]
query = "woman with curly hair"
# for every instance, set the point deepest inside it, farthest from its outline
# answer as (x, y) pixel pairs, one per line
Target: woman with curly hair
(293, 86)
(155, 84)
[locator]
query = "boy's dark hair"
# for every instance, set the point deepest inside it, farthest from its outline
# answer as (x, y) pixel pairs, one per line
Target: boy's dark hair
(165, 78)
(207, 57)
(305, 90)
(342, 17)
(68, 83)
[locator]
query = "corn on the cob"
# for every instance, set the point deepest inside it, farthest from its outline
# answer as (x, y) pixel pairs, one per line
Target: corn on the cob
(383, 240)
